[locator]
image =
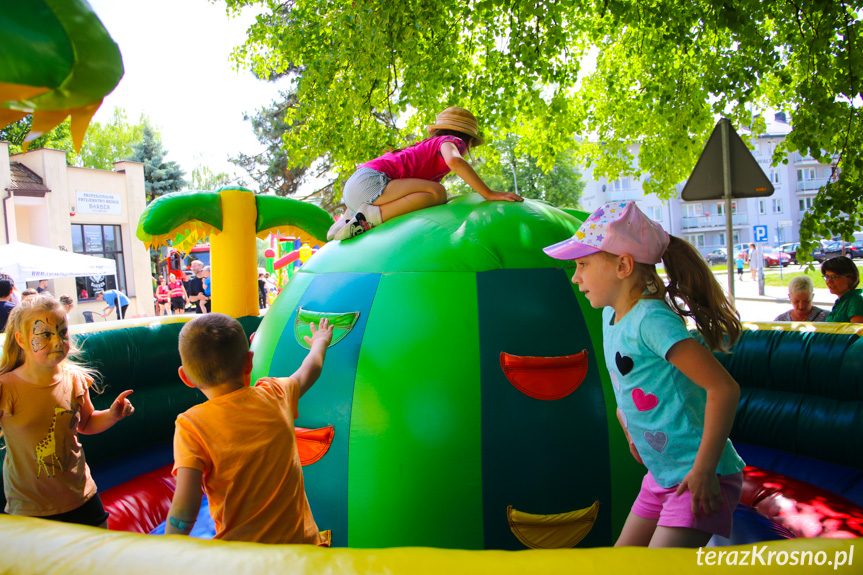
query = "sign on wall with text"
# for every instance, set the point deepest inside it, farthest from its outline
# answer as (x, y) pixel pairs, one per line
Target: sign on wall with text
(96, 203)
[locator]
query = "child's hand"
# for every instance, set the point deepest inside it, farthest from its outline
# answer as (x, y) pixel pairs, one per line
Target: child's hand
(504, 197)
(704, 489)
(323, 333)
(122, 407)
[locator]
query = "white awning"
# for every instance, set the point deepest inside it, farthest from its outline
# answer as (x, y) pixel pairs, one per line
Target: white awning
(26, 262)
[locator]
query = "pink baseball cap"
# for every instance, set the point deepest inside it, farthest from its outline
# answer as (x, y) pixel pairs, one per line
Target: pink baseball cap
(616, 228)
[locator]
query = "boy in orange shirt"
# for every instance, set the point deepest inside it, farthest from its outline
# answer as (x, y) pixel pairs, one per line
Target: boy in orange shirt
(240, 443)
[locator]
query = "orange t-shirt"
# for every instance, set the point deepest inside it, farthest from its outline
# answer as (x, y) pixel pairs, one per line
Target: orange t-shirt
(245, 445)
(44, 472)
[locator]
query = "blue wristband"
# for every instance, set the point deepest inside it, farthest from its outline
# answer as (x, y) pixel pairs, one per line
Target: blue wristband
(182, 525)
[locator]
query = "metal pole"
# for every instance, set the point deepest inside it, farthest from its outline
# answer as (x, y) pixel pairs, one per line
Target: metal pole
(726, 185)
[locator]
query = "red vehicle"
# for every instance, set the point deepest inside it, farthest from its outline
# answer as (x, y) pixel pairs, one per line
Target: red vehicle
(180, 264)
(772, 257)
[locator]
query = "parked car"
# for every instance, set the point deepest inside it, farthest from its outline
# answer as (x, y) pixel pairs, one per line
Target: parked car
(717, 256)
(791, 250)
(828, 250)
(773, 257)
(856, 249)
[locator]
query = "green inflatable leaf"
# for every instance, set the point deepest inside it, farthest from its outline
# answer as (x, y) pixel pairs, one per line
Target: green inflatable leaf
(342, 324)
(283, 213)
(166, 214)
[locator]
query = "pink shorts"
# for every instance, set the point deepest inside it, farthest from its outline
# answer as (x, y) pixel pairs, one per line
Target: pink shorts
(672, 510)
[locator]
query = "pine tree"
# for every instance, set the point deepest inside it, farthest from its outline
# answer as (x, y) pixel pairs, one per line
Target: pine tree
(160, 177)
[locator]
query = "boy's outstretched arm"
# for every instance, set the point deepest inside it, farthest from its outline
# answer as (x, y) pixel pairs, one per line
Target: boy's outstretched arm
(186, 503)
(310, 369)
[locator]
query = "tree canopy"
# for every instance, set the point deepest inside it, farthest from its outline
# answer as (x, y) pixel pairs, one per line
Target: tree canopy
(664, 72)
(160, 177)
(58, 138)
(112, 141)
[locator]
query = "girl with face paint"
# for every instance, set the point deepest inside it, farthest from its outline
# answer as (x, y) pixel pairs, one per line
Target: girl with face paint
(44, 405)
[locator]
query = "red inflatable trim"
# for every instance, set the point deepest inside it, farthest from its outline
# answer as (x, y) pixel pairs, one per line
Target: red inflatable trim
(546, 378)
(141, 504)
(312, 444)
(804, 509)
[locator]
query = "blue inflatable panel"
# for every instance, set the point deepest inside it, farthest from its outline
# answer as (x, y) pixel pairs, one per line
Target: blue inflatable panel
(750, 526)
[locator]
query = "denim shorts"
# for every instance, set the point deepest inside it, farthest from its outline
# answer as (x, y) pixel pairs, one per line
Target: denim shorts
(364, 187)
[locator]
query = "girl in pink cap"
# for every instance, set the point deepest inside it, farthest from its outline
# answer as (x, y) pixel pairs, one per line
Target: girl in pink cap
(676, 403)
(409, 179)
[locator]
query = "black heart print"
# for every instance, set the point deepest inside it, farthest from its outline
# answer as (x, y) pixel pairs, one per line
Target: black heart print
(624, 364)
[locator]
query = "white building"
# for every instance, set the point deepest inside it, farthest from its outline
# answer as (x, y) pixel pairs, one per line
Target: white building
(703, 223)
(94, 212)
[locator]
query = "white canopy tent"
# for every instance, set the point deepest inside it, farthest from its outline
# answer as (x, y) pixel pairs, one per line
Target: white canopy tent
(26, 262)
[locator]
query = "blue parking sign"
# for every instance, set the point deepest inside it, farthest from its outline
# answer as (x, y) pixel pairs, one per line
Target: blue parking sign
(759, 233)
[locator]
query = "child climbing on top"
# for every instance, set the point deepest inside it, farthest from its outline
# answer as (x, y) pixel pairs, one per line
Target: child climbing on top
(407, 180)
(676, 403)
(44, 405)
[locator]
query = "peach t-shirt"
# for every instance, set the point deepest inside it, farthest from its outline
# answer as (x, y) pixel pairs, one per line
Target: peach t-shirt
(244, 443)
(44, 472)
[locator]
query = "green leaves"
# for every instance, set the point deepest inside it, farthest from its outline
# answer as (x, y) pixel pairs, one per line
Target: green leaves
(370, 75)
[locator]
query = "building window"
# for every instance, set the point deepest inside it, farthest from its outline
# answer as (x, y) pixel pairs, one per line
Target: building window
(762, 206)
(103, 242)
(806, 203)
(777, 205)
(720, 208)
(696, 240)
(655, 213)
(693, 210)
(774, 177)
(805, 174)
(620, 185)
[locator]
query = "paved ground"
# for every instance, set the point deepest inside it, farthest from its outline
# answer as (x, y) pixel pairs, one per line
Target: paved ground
(755, 307)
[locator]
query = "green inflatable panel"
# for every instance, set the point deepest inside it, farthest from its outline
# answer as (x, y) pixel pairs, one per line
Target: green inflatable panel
(436, 410)
(416, 458)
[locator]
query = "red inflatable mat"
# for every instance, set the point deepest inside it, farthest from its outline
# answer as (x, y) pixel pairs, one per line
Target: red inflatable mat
(804, 509)
(142, 503)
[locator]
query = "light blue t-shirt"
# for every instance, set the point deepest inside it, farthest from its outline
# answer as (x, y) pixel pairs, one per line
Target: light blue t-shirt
(111, 296)
(662, 408)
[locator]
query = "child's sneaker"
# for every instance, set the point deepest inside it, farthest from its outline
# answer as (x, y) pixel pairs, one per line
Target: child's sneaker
(368, 216)
(372, 213)
(337, 227)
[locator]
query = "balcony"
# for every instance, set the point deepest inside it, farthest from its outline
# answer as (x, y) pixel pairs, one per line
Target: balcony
(714, 221)
(625, 195)
(811, 185)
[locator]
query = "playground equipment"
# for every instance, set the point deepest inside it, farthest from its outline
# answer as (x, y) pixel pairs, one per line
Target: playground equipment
(231, 217)
(57, 61)
(433, 434)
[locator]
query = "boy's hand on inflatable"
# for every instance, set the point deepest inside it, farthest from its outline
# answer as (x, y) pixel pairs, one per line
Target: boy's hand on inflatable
(504, 197)
(122, 407)
(704, 489)
(324, 333)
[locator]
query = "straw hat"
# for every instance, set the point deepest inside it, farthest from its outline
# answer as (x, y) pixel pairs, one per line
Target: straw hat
(455, 118)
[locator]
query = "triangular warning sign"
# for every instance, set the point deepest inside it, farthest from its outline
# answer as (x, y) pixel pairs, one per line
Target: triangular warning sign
(748, 180)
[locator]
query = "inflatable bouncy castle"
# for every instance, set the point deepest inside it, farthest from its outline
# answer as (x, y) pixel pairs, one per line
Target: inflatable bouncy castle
(461, 406)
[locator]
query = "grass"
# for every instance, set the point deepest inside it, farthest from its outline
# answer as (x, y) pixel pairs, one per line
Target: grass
(772, 278)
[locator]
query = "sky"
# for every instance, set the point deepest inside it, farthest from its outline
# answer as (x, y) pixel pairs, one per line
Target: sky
(177, 72)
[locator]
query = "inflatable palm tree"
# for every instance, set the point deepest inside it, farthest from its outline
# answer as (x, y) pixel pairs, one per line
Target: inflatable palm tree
(232, 217)
(56, 60)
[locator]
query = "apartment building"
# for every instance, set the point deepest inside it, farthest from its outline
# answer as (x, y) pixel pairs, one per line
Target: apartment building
(703, 223)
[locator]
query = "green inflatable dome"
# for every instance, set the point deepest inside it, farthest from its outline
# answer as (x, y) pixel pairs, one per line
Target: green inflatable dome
(432, 440)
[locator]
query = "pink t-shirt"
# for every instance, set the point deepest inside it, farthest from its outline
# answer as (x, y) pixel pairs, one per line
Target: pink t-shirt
(423, 160)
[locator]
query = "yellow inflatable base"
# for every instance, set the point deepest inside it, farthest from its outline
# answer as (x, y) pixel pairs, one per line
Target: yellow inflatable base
(36, 547)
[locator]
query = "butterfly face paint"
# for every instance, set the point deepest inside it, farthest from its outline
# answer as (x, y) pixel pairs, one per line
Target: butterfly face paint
(49, 339)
